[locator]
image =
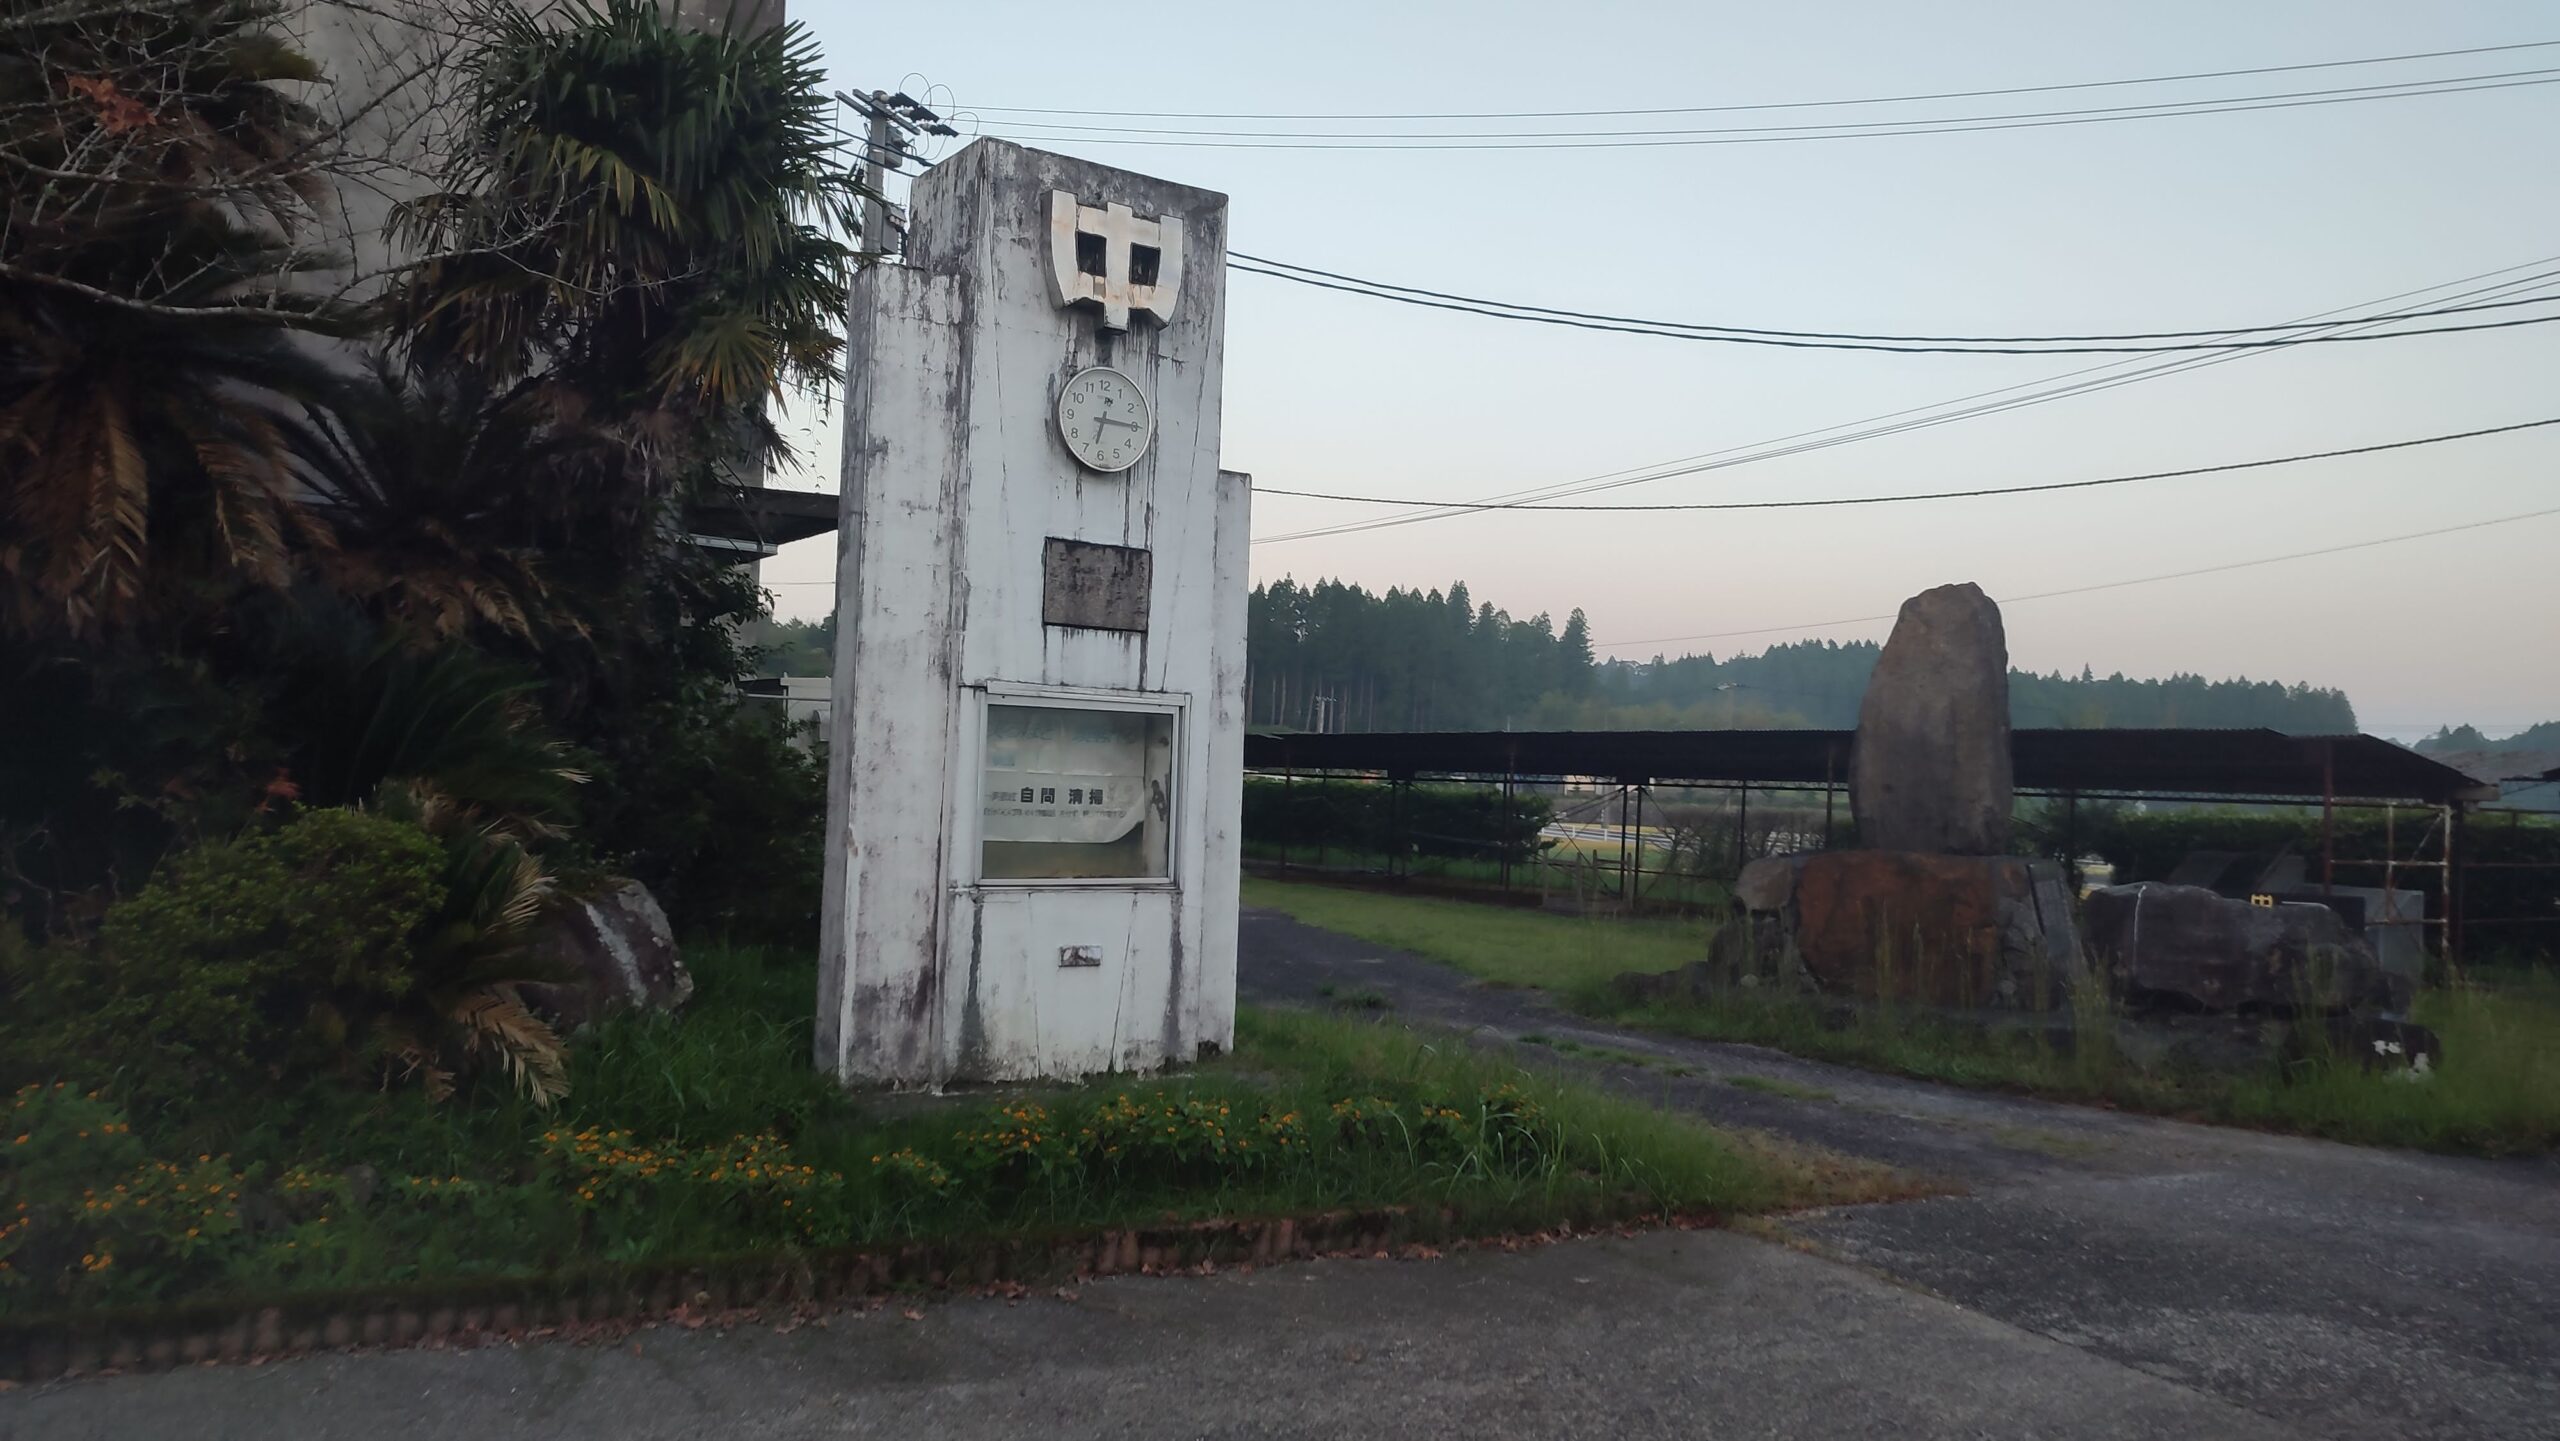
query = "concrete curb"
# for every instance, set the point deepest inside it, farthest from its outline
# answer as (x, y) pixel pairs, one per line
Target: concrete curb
(472, 1312)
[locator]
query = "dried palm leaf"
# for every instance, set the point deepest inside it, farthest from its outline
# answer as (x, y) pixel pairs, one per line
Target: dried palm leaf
(496, 1019)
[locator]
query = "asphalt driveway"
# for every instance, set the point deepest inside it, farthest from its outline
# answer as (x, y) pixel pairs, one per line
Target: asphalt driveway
(2345, 1290)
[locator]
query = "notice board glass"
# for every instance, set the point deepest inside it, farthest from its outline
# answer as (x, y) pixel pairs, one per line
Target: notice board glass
(1075, 793)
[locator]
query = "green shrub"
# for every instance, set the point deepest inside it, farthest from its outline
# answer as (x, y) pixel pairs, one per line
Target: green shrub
(244, 962)
(1367, 1120)
(722, 814)
(84, 1211)
(363, 944)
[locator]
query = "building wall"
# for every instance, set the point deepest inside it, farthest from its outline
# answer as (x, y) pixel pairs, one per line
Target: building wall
(393, 83)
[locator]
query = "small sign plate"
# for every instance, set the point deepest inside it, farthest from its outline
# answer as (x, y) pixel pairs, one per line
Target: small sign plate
(1101, 587)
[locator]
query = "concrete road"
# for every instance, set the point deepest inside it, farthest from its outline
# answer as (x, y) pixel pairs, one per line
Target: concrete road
(1666, 1335)
(2104, 1276)
(2346, 1290)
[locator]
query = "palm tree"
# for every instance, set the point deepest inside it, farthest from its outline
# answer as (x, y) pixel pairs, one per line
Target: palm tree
(648, 208)
(144, 461)
(455, 503)
(157, 178)
(641, 239)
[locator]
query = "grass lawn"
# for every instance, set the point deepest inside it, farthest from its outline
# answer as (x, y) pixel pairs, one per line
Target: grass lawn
(2497, 1093)
(1566, 954)
(1565, 868)
(709, 1135)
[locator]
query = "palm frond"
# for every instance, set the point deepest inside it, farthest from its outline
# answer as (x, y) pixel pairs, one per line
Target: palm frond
(410, 1057)
(496, 1019)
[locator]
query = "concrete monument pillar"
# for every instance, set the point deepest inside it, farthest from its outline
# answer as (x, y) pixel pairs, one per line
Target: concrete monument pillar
(1036, 761)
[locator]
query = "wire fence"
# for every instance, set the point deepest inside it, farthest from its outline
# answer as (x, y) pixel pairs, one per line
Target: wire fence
(2481, 881)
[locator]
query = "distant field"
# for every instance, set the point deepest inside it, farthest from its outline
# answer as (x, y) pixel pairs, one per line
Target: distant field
(1566, 954)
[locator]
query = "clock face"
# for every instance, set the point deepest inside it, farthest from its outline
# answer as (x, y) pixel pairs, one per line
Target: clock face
(1105, 419)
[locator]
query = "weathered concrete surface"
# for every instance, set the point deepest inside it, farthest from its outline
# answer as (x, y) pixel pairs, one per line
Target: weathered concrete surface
(2187, 944)
(1943, 930)
(2345, 1290)
(956, 482)
(1931, 770)
(1665, 1335)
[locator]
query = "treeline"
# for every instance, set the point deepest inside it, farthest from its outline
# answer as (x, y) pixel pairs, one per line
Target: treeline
(1822, 682)
(791, 647)
(2452, 739)
(1337, 657)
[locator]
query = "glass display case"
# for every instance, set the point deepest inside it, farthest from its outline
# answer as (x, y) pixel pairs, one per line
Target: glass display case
(1076, 791)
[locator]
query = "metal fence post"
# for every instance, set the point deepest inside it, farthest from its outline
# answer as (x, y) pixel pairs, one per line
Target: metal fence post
(1830, 759)
(2328, 817)
(1635, 888)
(1741, 829)
(2455, 853)
(1324, 818)
(1395, 828)
(1510, 764)
(1288, 807)
(2071, 838)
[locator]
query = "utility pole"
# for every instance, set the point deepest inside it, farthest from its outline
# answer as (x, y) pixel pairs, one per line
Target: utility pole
(894, 116)
(875, 175)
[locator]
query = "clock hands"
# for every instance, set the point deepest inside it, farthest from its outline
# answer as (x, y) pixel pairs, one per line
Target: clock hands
(1085, 412)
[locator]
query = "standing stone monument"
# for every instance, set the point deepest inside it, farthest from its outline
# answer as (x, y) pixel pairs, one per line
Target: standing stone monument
(1931, 769)
(1036, 762)
(1930, 906)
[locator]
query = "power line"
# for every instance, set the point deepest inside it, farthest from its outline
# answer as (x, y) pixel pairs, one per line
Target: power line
(1994, 401)
(2135, 111)
(1549, 506)
(2113, 584)
(1794, 134)
(1823, 438)
(1579, 321)
(1789, 104)
(1526, 311)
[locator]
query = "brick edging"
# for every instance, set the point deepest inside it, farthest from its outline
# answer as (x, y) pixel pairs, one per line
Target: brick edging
(472, 1311)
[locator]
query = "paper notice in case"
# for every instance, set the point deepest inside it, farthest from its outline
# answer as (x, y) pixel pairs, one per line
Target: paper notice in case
(1062, 775)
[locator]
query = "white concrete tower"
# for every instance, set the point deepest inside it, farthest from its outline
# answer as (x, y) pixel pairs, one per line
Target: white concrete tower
(1037, 748)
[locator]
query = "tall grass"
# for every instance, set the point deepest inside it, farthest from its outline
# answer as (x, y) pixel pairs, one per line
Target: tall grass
(2497, 1091)
(711, 1134)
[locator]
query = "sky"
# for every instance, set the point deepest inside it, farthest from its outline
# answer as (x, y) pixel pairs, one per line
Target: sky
(2171, 224)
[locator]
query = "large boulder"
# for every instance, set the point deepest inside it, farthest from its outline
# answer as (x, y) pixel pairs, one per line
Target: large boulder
(1960, 931)
(2186, 947)
(1930, 771)
(612, 952)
